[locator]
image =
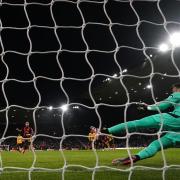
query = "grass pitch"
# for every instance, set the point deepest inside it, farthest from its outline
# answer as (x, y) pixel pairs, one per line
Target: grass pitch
(79, 165)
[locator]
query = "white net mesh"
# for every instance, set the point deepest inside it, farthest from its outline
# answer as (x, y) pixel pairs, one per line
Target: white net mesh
(87, 54)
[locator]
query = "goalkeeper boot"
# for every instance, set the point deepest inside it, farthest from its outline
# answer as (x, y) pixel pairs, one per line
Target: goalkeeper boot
(125, 161)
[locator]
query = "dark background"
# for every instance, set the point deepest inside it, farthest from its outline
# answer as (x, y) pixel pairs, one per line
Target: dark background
(59, 52)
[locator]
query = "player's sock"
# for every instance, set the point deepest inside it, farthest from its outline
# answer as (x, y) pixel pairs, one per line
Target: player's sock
(125, 161)
(20, 150)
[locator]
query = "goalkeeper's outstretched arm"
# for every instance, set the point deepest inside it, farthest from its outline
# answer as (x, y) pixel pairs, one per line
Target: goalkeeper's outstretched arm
(163, 105)
(172, 100)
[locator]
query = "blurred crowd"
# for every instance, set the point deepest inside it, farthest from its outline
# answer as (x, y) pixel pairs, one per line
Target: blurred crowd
(81, 143)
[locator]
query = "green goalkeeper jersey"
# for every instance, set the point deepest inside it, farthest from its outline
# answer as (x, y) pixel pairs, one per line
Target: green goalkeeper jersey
(170, 121)
(172, 100)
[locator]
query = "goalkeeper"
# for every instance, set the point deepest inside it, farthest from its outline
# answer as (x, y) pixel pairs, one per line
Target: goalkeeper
(168, 121)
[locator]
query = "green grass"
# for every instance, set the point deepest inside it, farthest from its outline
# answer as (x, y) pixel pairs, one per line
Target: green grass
(87, 159)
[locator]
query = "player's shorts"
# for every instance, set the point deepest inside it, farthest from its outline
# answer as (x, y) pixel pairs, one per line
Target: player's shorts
(20, 145)
(26, 144)
(111, 142)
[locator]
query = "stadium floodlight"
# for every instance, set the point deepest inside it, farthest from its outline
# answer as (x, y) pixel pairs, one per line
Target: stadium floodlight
(50, 108)
(64, 107)
(116, 92)
(175, 39)
(114, 75)
(107, 80)
(125, 70)
(75, 107)
(163, 47)
(149, 86)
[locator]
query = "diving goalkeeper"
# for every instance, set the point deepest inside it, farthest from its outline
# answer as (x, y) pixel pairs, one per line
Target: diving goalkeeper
(168, 121)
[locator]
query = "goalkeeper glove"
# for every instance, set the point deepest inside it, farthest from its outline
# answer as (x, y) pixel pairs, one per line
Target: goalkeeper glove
(142, 107)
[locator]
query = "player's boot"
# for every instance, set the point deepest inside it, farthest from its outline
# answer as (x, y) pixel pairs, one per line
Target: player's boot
(125, 161)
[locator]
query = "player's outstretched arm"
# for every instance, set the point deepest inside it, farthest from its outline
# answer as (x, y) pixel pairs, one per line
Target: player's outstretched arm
(19, 130)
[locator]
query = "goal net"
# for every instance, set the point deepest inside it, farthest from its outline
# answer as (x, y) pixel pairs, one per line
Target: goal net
(67, 65)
